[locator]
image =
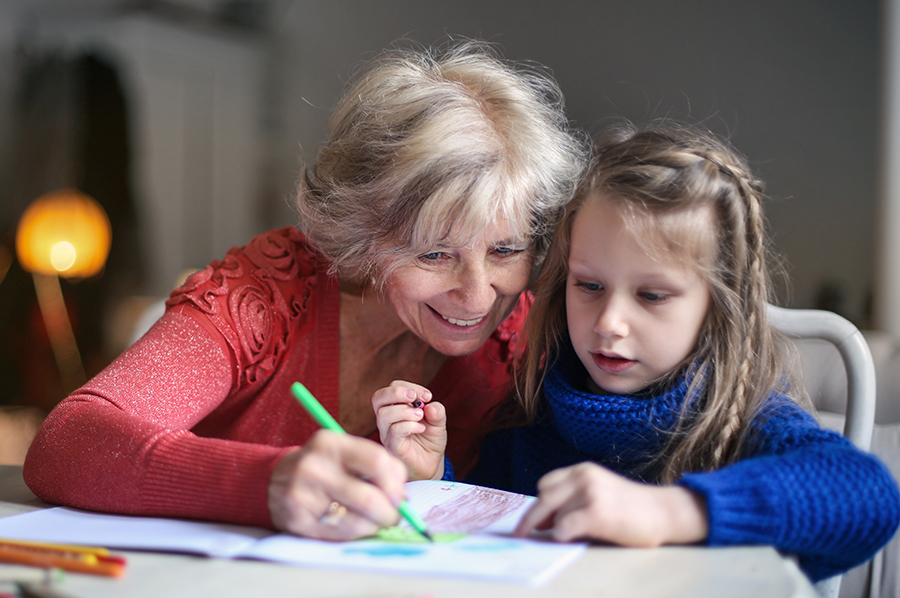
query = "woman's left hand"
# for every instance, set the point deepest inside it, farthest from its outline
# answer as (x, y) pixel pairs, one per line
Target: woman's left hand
(586, 501)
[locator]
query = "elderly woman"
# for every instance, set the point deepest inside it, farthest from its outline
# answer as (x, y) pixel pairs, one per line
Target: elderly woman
(422, 220)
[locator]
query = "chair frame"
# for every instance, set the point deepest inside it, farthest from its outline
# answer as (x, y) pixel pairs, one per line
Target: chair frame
(859, 420)
(851, 344)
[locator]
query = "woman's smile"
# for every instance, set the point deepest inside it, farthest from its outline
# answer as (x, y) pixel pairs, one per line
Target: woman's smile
(461, 322)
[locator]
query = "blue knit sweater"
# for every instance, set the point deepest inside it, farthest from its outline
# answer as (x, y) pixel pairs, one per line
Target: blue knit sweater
(803, 489)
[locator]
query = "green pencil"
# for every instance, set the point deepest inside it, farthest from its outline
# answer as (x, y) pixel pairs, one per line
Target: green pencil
(324, 419)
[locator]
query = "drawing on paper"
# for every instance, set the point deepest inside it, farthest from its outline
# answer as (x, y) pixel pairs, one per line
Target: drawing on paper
(492, 547)
(382, 550)
(473, 510)
(404, 535)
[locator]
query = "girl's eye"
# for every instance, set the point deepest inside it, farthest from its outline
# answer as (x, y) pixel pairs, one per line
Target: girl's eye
(591, 287)
(653, 297)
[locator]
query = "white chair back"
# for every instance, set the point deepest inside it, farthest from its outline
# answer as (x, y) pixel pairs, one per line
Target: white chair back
(859, 419)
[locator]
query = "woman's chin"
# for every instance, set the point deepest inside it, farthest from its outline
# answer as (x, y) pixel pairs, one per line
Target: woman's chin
(455, 347)
(453, 339)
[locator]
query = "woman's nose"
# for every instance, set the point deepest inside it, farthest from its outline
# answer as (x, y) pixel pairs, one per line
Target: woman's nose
(475, 289)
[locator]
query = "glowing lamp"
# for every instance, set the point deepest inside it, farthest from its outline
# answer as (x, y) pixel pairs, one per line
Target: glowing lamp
(64, 232)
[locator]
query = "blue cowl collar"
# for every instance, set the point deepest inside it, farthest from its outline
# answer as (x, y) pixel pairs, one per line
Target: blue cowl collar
(625, 431)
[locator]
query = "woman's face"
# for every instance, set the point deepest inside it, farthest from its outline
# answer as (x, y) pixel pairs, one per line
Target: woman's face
(455, 296)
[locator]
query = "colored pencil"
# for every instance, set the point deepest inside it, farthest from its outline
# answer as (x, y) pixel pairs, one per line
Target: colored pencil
(54, 556)
(324, 419)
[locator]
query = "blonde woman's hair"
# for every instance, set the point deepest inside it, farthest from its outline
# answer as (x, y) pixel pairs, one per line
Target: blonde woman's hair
(426, 143)
(654, 172)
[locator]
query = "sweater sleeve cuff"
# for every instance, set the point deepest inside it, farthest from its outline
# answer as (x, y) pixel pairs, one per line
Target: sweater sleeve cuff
(739, 507)
(215, 479)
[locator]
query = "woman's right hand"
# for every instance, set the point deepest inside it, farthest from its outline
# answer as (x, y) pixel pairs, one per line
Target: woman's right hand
(336, 487)
(412, 427)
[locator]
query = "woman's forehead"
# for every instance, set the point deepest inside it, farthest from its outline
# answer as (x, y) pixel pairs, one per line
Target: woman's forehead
(496, 231)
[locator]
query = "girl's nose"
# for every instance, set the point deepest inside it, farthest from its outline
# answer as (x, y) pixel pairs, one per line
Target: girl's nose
(612, 319)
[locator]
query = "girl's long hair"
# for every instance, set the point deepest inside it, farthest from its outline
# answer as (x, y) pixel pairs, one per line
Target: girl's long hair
(659, 170)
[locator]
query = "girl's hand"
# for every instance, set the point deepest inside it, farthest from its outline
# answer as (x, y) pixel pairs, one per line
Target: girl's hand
(336, 487)
(412, 428)
(586, 501)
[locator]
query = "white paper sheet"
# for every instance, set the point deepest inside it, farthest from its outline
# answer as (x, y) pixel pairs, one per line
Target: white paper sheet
(488, 552)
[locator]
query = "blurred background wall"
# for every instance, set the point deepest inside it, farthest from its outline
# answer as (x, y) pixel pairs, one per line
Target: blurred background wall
(188, 120)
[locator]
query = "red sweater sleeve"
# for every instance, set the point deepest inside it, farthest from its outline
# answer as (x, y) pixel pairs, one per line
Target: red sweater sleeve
(122, 442)
(191, 420)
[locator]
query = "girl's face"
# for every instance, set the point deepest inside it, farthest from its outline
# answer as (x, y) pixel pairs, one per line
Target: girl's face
(632, 316)
(454, 297)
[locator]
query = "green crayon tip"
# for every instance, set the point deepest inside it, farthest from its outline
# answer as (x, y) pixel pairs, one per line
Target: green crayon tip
(324, 419)
(414, 520)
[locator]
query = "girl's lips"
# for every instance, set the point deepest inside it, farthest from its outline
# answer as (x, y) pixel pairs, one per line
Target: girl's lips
(612, 365)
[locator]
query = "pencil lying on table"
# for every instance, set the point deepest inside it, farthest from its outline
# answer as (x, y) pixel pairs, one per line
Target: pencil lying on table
(79, 559)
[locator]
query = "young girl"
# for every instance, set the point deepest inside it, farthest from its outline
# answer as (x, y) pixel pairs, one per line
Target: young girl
(654, 389)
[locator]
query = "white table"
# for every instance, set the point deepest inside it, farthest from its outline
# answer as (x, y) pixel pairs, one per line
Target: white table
(605, 572)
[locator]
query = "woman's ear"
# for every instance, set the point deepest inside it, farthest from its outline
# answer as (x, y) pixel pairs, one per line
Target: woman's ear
(535, 269)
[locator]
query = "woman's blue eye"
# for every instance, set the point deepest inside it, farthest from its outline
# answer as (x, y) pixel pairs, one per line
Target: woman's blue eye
(508, 251)
(434, 255)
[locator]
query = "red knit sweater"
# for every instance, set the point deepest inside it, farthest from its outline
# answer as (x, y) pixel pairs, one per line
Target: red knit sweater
(191, 420)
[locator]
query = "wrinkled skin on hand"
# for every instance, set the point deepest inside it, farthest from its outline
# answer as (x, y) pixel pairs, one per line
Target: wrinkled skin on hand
(351, 471)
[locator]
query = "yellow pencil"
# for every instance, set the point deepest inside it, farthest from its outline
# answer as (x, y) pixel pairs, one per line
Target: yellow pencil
(60, 547)
(81, 559)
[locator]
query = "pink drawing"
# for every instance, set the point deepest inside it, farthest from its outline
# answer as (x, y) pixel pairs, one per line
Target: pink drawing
(473, 511)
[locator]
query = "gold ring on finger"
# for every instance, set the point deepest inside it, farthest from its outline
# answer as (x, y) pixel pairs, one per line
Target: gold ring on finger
(334, 514)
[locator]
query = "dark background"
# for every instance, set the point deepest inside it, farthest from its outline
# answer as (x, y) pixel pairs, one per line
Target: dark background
(795, 86)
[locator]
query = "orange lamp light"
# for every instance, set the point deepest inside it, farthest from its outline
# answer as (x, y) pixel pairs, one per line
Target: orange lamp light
(64, 232)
